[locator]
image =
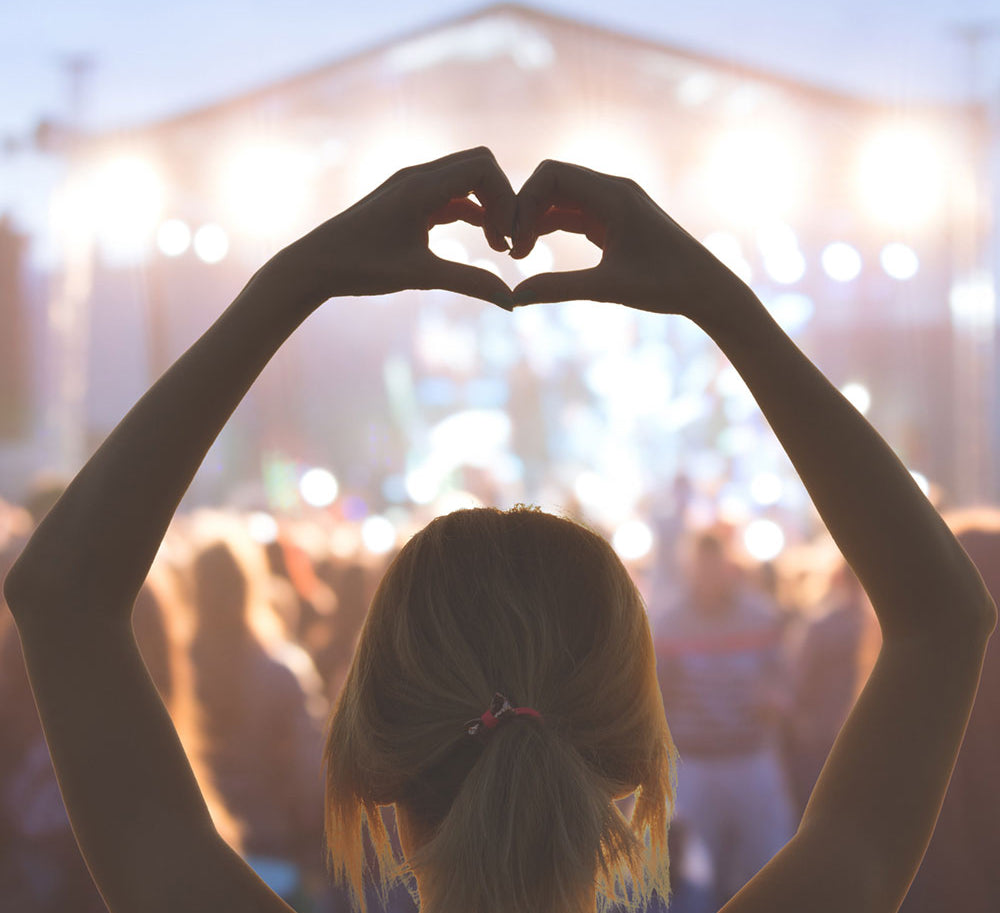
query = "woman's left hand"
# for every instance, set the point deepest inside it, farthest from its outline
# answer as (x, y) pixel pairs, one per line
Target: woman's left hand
(379, 245)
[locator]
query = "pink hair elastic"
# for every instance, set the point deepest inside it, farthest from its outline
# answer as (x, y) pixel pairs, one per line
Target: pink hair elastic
(500, 709)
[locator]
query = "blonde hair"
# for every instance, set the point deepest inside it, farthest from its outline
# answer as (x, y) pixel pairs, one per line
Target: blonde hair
(541, 609)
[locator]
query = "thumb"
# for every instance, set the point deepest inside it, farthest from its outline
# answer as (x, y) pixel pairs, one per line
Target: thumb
(570, 285)
(469, 280)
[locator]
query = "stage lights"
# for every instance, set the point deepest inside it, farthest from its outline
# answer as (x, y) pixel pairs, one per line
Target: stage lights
(754, 173)
(633, 540)
(973, 305)
(211, 243)
(318, 487)
(858, 396)
(264, 187)
(902, 175)
(173, 237)
(763, 539)
(117, 202)
(841, 261)
(378, 534)
(899, 261)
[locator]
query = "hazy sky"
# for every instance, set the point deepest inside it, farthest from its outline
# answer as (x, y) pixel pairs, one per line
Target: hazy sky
(150, 60)
(156, 59)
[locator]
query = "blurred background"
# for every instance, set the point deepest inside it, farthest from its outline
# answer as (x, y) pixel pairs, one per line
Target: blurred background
(843, 158)
(838, 158)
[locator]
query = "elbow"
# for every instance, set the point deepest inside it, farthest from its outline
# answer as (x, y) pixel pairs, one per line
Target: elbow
(31, 582)
(989, 619)
(20, 587)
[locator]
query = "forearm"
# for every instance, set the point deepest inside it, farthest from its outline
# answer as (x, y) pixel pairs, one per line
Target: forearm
(917, 575)
(99, 540)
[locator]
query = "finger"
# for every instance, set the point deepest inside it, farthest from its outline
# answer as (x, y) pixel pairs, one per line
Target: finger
(474, 171)
(467, 280)
(564, 186)
(572, 285)
(460, 210)
(572, 220)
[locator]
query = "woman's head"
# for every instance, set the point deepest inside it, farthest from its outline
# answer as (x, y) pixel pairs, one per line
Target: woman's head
(541, 609)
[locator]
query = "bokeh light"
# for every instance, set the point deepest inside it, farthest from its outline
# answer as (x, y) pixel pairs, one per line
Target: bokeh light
(857, 395)
(753, 173)
(899, 260)
(318, 487)
(763, 539)
(902, 175)
(173, 237)
(923, 483)
(264, 186)
(263, 528)
(766, 488)
(378, 534)
(841, 261)
(633, 540)
(211, 243)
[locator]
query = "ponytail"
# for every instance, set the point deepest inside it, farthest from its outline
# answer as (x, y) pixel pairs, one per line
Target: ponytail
(522, 831)
(523, 816)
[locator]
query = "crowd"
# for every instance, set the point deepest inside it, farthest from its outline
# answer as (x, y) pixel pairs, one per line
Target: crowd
(249, 642)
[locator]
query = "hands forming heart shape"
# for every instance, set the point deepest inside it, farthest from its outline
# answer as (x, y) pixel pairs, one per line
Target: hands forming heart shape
(379, 245)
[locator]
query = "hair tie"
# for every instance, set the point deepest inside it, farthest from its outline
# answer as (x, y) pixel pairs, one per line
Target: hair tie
(500, 709)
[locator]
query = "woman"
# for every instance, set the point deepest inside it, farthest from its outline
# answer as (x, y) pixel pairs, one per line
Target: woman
(136, 809)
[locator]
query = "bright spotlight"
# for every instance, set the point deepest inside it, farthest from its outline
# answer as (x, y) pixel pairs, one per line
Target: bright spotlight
(378, 535)
(211, 243)
(899, 261)
(754, 172)
(902, 175)
(841, 261)
(264, 186)
(318, 487)
(763, 539)
(633, 540)
(858, 396)
(173, 237)
(127, 195)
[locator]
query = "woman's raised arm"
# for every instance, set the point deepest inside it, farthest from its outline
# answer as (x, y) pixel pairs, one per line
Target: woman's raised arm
(134, 805)
(873, 809)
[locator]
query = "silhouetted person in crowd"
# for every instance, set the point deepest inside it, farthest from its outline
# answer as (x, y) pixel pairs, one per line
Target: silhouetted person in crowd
(722, 671)
(504, 691)
(260, 708)
(829, 667)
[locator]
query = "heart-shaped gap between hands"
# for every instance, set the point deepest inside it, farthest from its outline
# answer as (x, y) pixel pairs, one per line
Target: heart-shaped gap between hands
(463, 241)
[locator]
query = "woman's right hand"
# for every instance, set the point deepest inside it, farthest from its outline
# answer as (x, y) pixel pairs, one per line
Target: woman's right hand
(649, 261)
(379, 245)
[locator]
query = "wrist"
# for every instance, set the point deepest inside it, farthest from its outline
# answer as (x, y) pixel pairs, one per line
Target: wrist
(294, 278)
(729, 312)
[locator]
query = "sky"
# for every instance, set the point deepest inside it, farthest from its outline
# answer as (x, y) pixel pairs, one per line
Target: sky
(151, 60)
